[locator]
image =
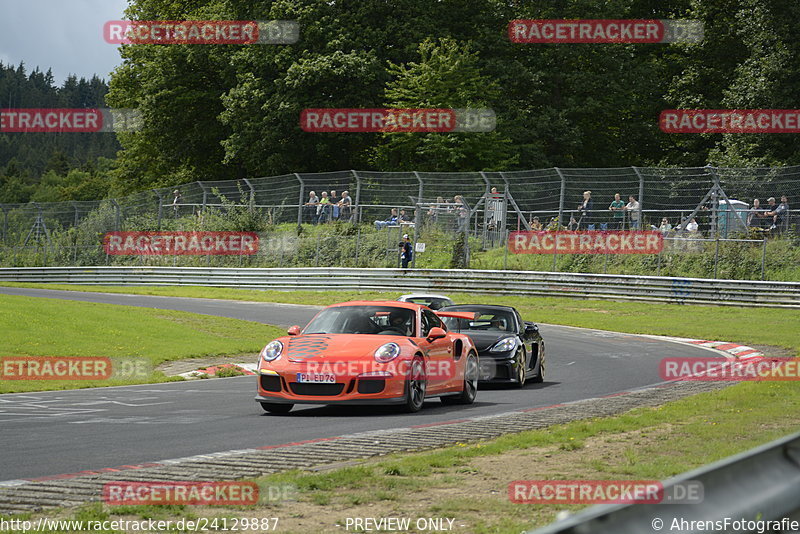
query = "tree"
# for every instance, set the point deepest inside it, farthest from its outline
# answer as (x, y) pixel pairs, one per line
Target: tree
(447, 76)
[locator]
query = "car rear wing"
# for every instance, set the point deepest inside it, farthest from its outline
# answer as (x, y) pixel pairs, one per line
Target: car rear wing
(470, 316)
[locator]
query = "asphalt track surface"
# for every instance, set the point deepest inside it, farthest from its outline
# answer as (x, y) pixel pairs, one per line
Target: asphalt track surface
(50, 433)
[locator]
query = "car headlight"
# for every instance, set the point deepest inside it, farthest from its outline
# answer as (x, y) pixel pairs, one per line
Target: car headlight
(505, 345)
(387, 352)
(272, 351)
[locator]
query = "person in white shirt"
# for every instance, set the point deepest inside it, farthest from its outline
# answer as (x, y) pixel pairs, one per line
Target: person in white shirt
(632, 207)
(692, 226)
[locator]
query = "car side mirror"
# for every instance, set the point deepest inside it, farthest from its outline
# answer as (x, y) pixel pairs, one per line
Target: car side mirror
(531, 329)
(294, 330)
(436, 333)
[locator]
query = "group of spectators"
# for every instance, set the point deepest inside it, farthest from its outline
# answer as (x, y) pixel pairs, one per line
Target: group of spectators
(585, 218)
(328, 208)
(395, 218)
(771, 218)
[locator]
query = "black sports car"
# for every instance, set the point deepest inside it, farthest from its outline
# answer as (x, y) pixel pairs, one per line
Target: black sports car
(509, 349)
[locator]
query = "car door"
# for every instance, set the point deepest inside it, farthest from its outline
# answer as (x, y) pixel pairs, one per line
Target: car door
(525, 338)
(441, 365)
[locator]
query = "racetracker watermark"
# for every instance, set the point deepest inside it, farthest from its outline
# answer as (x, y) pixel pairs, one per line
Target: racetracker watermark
(720, 369)
(333, 371)
(180, 243)
(730, 121)
(605, 31)
(388, 120)
(590, 242)
(604, 492)
(55, 368)
(68, 120)
(201, 32)
(73, 368)
(123, 493)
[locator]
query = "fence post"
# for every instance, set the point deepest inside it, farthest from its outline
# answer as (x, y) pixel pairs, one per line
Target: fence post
(420, 190)
(205, 196)
(641, 197)
(5, 223)
(302, 198)
(358, 243)
(357, 213)
(252, 195)
(562, 194)
(160, 206)
(116, 215)
(763, 258)
(505, 253)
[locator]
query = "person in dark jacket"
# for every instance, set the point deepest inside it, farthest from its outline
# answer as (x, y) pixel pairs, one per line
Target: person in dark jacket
(406, 251)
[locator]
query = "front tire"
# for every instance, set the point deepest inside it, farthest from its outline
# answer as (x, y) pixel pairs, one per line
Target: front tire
(521, 370)
(539, 378)
(272, 407)
(470, 391)
(416, 386)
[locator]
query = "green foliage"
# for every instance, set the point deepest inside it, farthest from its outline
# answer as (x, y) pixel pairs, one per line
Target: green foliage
(458, 260)
(447, 76)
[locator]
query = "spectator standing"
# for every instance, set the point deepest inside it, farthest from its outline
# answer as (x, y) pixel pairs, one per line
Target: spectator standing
(665, 227)
(324, 208)
(334, 205)
(406, 251)
(310, 207)
(585, 210)
(176, 201)
(617, 209)
(462, 214)
(346, 206)
(632, 207)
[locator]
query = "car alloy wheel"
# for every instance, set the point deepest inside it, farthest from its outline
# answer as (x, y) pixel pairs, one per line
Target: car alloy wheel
(471, 376)
(416, 385)
(539, 378)
(520, 370)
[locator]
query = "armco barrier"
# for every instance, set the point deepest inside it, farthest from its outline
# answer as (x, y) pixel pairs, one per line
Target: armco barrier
(528, 283)
(762, 484)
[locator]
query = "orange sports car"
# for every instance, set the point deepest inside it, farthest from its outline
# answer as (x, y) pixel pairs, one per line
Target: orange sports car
(369, 353)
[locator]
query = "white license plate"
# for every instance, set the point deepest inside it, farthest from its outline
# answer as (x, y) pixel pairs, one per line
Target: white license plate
(316, 378)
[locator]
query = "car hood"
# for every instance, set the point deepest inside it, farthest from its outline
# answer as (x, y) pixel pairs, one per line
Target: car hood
(336, 347)
(484, 340)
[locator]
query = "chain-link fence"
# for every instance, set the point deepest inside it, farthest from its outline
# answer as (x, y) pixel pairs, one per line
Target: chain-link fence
(461, 218)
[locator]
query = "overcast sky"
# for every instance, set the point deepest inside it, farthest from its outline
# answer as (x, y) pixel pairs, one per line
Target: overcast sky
(65, 35)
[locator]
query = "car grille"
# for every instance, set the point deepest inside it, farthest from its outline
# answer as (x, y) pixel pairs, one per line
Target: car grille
(270, 382)
(371, 386)
(317, 390)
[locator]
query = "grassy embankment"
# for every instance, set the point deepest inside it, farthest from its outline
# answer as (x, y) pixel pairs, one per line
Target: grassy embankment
(50, 327)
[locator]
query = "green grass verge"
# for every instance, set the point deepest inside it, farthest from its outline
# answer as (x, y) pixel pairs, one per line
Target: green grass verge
(51, 327)
(760, 326)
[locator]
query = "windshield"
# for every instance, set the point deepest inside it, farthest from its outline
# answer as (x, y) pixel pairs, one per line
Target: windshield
(384, 320)
(434, 303)
(492, 321)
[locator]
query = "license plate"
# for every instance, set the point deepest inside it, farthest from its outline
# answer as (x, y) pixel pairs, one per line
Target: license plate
(316, 378)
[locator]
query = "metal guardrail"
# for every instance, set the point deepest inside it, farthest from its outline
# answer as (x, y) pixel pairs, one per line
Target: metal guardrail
(762, 484)
(744, 293)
